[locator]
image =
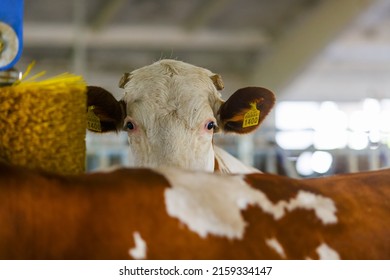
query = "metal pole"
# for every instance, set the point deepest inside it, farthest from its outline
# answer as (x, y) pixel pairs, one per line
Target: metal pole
(79, 41)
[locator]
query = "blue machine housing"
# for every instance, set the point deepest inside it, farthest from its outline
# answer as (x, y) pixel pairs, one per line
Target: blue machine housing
(11, 13)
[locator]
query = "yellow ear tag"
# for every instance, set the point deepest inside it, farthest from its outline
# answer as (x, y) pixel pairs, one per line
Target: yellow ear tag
(251, 118)
(93, 121)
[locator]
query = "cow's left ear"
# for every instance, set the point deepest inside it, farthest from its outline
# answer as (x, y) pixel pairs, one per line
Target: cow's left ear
(245, 110)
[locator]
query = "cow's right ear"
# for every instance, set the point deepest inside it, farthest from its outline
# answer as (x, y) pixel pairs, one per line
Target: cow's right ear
(104, 113)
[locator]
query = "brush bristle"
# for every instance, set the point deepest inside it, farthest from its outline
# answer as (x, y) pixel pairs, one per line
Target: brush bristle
(43, 124)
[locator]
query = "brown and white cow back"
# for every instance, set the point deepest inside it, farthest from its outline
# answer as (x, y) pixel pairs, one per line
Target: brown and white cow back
(176, 214)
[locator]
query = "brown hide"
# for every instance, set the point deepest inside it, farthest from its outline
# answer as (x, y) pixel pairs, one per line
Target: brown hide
(94, 216)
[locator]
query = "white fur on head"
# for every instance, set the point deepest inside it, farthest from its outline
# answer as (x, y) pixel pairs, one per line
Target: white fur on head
(169, 103)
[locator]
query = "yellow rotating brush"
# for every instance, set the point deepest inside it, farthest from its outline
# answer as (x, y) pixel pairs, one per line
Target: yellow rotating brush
(43, 124)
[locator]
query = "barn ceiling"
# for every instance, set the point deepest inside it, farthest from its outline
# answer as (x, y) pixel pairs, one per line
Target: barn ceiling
(259, 42)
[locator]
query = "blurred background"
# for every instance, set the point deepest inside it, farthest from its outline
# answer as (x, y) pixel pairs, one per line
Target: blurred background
(328, 61)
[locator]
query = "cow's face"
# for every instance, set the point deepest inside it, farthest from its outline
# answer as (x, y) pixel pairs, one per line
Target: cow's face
(170, 118)
(171, 110)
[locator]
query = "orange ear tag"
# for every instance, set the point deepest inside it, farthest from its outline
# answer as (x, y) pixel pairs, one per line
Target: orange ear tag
(93, 121)
(251, 118)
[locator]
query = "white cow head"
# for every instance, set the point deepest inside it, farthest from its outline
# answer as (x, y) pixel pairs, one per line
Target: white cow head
(171, 111)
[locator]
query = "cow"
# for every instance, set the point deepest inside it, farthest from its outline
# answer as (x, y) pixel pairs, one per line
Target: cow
(171, 111)
(171, 213)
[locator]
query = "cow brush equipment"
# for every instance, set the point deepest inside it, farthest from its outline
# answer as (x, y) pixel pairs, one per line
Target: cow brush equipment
(43, 123)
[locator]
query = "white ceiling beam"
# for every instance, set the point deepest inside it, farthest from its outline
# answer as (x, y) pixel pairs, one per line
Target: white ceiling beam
(142, 37)
(204, 13)
(290, 53)
(106, 13)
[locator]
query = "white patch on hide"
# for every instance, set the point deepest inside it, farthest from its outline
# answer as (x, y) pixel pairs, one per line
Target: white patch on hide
(139, 251)
(212, 203)
(275, 245)
(323, 207)
(200, 202)
(326, 253)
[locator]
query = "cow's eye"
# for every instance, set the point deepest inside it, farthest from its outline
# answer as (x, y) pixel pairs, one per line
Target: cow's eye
(130, 125)
(210, 125)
